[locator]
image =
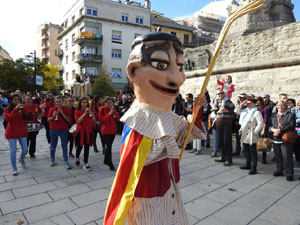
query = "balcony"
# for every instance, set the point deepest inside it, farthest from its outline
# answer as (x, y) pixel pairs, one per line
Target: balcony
(88, 36)
(44, 47)
(45, 36)
(44, 27)
(85, 57)
(59, 52)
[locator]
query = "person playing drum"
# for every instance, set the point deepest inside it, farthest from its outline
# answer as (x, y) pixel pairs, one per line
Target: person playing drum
(33, 125)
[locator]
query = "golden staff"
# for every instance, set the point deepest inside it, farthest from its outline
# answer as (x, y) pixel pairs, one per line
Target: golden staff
(250, 7)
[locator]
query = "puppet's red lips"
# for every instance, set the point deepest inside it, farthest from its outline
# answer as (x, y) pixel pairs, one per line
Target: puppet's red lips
(164, 90)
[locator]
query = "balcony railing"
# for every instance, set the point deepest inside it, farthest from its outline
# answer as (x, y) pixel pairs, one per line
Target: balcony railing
(88, 36)
(58, 52)
(45, 56)
(85, 57)
(45, 46)
(45, 36)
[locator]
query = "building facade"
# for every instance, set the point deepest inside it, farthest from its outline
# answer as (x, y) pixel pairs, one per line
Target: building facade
(184, 33)
(47, 43)
(97, 34)
(4, 54)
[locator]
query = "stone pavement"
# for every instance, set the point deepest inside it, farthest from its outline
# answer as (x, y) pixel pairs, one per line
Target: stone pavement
(44, 195)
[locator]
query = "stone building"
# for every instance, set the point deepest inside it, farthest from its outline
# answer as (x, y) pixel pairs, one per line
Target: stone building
(259, 63)
(98, 34)
(47, 43)
(276, 13)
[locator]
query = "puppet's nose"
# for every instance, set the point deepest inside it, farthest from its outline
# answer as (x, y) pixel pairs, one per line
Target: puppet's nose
(175, 78)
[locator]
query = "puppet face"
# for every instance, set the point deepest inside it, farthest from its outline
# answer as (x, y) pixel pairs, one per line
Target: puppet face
(156, 83)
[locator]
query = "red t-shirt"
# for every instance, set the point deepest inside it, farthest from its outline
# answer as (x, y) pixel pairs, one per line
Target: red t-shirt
(16, 126)
(108, 122)
(85, 127)
(48, 106)
(60, 123)
(35, 109)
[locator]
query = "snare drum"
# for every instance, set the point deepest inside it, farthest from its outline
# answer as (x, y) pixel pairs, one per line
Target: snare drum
(33, 127)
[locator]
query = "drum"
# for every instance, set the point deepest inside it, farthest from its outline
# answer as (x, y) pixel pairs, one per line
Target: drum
(33, 127)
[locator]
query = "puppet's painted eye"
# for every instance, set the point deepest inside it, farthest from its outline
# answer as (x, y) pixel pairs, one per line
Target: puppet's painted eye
(158, 64)
(180, 66)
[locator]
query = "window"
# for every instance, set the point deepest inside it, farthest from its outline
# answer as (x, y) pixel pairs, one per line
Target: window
(125, 17)
(73, 19)
(73, 74)
(67, 59)
(73, 39)
(66, 44)
(186, 39)
(93, 12)
(92, 71)
(139, 20)
(174, 33)
(116, 73)
(73, 56)
(67, 76)
(116, 54)
(116, 36)
(66, 23)
(81, 12)
(136, 35)
(91, 50)
(94, 30)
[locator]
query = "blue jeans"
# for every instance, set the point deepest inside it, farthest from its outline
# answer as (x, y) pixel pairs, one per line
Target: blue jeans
(238, 142)
(216, 148)
(13, 150)
(63, 134)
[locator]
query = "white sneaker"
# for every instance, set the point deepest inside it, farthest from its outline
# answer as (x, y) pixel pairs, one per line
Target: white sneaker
(86, 167)
(15, 172)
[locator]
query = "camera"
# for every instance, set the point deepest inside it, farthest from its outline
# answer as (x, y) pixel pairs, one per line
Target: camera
(48, 100)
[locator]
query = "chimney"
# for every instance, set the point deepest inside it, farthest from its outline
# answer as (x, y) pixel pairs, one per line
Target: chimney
(147, 4)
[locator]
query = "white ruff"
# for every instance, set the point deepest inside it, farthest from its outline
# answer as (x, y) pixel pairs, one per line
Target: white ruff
(152, 123)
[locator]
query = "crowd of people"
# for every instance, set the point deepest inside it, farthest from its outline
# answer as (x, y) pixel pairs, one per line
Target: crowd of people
(75, 121)
(79, 121)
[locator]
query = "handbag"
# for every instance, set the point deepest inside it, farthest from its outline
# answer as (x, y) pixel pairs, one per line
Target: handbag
(290, 136)
(264, 144)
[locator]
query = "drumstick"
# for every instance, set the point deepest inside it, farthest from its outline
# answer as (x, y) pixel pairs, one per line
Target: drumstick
(250, 7)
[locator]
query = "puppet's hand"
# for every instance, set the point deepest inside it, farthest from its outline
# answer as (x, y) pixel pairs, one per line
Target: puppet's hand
(200, 101)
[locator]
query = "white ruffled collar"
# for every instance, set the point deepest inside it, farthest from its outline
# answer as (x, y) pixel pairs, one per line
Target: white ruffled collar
(150, 122)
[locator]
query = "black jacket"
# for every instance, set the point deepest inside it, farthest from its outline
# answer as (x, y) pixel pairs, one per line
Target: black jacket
(287, 123)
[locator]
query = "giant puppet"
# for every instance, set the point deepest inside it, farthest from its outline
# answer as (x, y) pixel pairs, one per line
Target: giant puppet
(145, 189)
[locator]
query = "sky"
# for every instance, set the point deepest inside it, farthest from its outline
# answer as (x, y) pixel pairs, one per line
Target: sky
(20, 19)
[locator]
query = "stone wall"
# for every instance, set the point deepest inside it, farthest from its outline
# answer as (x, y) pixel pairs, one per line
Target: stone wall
(259, 63)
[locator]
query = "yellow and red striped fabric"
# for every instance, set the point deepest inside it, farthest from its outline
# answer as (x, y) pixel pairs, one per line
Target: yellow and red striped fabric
(134, 150)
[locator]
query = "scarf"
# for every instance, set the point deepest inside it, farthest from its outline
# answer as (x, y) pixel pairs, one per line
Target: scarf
(246, 115)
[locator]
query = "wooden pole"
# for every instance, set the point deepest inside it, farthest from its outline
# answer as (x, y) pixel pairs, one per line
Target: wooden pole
(250, 7)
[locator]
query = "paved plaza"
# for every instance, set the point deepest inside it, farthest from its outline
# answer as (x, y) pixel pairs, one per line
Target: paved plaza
(213, 194)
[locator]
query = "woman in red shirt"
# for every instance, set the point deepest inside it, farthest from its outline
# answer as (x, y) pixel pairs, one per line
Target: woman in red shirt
(46, 104)
(33, 132)
(85, 120)
(16, 116)
(108, 117)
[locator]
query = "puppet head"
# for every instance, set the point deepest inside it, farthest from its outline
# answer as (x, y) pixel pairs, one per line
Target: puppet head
(155, 69)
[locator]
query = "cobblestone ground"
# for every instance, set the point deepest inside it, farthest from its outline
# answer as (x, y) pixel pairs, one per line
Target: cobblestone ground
(212, 194)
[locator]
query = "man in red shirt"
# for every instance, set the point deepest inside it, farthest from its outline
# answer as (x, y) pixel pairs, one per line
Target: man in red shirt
(45, 105)
(59, 118)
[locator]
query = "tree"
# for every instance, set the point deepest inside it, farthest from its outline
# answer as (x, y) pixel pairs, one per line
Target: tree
(14, 75)
(102, 85)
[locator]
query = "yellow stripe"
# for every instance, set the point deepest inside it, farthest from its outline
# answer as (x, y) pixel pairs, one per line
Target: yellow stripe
(136, 171)
(113, 185)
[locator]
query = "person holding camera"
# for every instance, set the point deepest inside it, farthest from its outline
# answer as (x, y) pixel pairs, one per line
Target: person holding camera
(85, 120)
(45, 105)
(16, 130)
